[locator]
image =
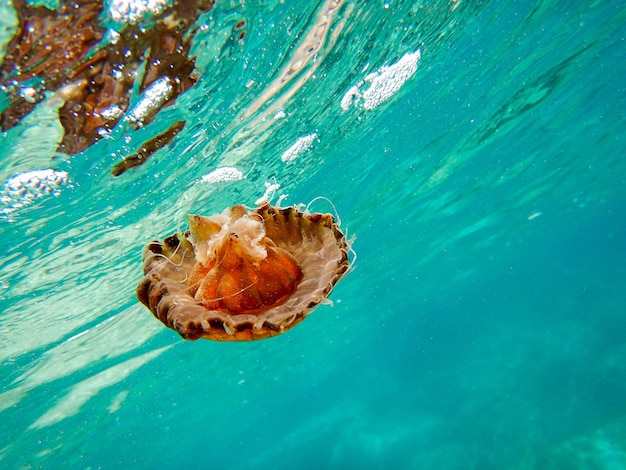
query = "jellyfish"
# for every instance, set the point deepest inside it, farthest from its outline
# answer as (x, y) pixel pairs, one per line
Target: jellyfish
(243, 275)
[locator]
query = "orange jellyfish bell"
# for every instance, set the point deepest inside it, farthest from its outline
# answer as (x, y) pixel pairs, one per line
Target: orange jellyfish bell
(241, 276)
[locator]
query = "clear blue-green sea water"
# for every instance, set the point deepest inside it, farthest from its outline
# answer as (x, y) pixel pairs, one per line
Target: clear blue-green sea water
(476, 150)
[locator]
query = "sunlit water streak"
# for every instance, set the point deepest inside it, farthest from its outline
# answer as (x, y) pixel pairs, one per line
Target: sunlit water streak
(502, 133)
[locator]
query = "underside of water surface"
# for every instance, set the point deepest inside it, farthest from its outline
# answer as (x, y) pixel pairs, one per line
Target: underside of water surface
(473, 153)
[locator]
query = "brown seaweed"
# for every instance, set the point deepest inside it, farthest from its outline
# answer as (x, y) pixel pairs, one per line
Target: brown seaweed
(148, 149)
(55, 48)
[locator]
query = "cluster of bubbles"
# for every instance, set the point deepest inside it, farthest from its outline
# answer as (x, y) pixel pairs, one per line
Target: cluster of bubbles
(24, 188)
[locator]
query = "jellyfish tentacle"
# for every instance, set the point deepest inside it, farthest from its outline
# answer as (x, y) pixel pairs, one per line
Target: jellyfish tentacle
(323, 198)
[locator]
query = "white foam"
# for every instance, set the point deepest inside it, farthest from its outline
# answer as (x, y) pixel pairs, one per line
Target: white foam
(24, 188)
(131, 11)
(153, 97)
(300, 146)
(225, 173)
(379, 86)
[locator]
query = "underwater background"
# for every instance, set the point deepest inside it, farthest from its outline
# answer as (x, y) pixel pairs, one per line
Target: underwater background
(476, 150)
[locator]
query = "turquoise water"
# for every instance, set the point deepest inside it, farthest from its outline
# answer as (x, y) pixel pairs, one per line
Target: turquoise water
(482, 171)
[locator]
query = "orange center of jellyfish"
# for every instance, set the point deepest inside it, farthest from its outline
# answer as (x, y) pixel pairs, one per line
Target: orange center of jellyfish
(239, 270)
